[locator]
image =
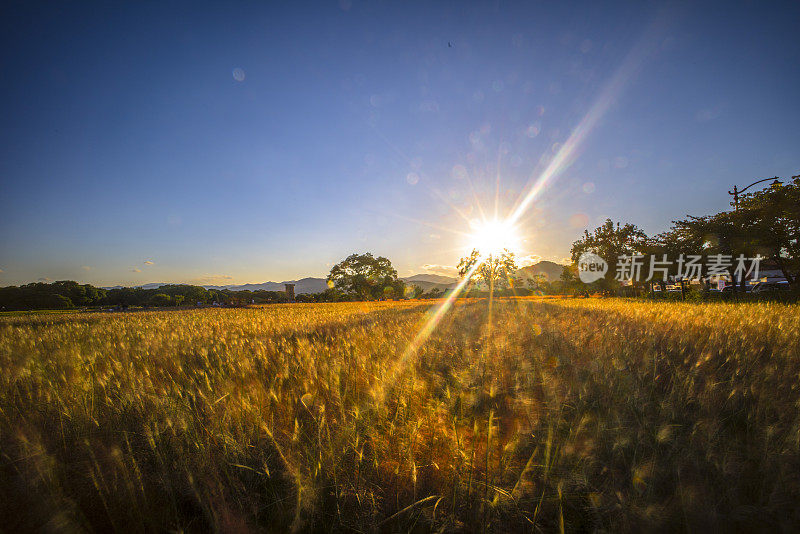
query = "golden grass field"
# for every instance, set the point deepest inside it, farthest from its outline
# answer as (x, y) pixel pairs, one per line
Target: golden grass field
(571, 415)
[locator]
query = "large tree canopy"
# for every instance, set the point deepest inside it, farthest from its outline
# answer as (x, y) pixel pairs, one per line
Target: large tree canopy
(770, 218)
(766, 223)
(610, 241)
(366, 277)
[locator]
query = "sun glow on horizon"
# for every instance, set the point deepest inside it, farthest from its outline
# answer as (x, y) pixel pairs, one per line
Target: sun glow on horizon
(492, 237)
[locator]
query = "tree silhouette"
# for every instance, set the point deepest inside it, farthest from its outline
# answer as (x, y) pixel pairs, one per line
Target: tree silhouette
(494, 270)
(610, 241)
(366, 277)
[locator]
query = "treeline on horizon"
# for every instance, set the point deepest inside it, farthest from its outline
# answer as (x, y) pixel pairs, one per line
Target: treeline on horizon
(764, 224)
(68, 294)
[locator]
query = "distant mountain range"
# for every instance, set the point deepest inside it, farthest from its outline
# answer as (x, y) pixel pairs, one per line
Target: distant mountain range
(551, 270)
(304, 285)
(433, 278)
(426, 281)
(431, 281)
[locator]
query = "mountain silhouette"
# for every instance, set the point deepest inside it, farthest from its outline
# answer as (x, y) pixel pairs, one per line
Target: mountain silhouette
(426, 281)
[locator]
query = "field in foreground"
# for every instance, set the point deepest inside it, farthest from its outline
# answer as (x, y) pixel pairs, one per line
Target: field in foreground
(567, 415)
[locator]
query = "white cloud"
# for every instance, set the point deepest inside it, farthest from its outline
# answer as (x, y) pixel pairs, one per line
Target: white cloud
(86, 268)
(149, 262)
(135, 270)
(528, 259)
(45, 279)
(446, 270)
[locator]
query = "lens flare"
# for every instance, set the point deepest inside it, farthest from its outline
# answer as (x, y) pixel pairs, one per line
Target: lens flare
(495, 235)
(565, 154)
(435, 315)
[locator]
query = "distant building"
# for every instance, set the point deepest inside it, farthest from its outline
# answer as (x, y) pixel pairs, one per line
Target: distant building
(289, 292)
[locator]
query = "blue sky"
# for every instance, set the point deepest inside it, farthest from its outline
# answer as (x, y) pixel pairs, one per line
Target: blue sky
(247, 142)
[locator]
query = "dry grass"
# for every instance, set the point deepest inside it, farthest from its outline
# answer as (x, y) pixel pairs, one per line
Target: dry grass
(560, 415)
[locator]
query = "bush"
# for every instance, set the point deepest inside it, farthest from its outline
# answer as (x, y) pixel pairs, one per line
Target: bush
(161, 299)
(58, 302)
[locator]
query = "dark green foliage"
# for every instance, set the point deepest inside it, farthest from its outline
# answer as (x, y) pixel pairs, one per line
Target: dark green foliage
(609, 242)
(68, 294)
(58, 295)
(366, 277)
(765, 223)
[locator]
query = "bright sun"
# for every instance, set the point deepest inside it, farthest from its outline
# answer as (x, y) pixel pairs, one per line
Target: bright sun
(492, 237)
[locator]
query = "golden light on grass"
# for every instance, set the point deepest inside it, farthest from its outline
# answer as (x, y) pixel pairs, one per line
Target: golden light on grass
(266, 419)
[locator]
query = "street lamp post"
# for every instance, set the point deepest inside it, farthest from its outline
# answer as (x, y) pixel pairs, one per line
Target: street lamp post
(736, 192)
